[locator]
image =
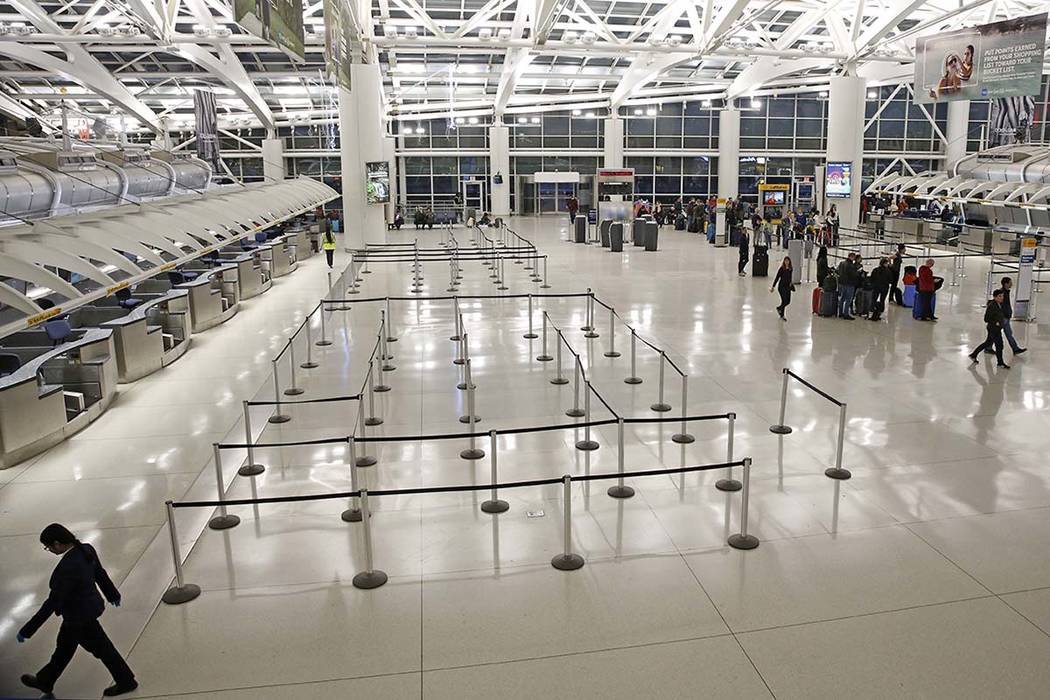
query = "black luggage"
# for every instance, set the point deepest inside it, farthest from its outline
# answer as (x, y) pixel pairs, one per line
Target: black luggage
(829, 303)
(652, 235)
(616, 237)
(580, 227)
(863, 302)
(694, 226)
(679, 223)
(760, 262)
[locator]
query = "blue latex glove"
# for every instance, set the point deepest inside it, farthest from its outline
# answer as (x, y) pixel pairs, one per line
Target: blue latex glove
(20, 638)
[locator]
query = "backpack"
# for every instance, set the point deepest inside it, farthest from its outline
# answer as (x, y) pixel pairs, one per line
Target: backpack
(831, 282)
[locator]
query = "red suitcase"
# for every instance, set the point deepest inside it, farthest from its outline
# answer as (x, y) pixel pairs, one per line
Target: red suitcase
(816, 299)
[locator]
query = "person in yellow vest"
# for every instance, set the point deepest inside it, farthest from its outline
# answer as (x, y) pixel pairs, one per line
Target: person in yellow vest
(328, 245)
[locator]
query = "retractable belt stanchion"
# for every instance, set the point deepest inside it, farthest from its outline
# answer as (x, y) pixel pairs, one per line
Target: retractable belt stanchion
(502, 286)
(661, 406)
(576, 411)
(468, 385)
(620, 490)
(567, 560)
(494, 504)
(324, 341)
(181, 592)
(452, 286)
(390, 337)
(222, 521)
(353, 512)
(463, 348)
(684, 438)
(530, 335)
(591, 332)
(611, 352)
(781, 428)
(633, 378)
(472, 452)
(587, 313)
(310, 364)
(457, 319)
(728, 483)
(558, 379)
(372, 419)
(277, 417)
(837, 472)
(365, 460)
(545, 285)
(587, 444)
(384, 348)
(382, 386)
(743, 540)
(294, 389)
(251, 467)
(544, 356)
(371, 577)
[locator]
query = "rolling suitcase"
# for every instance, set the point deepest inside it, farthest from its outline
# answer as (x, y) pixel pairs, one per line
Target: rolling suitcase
(760, 262)
(917, 308)
(862, 303)
(694, 226)
(817, 293)
(829, 302)
(679, 223)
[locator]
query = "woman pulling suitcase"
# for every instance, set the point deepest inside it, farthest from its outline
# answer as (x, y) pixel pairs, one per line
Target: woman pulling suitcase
(783, 284)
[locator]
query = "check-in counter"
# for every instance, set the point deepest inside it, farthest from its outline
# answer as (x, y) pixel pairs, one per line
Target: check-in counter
(299, 236)
(214, 296)
(146, 338)
(56, 391)
(278, 257)
(898, 229)
(253, 276)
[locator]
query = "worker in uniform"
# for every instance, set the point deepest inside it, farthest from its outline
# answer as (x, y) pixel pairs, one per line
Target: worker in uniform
(328, 245)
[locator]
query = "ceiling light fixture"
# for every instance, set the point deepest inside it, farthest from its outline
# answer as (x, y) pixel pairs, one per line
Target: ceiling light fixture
(756, 104)
(577, 112)
(570, 37)
(589, 37)
(535, 120)
(523, 120)
(473, 120)
(651, 112)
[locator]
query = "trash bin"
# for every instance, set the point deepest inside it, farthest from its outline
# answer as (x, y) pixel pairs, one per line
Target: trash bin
(581, 228)
(603, 229)
(638, 232)
(616, 237)
(652, 233)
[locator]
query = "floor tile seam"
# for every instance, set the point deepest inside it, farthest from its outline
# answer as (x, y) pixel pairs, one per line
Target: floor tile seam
(34, 533)
(103, 478)
(393, 674)
(1022, 615)
(981, 514)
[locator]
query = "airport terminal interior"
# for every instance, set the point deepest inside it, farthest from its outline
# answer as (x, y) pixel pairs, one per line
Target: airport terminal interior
(457, 349)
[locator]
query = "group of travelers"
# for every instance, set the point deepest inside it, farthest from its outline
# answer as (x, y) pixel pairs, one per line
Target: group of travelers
(866, 294)
(424, 218)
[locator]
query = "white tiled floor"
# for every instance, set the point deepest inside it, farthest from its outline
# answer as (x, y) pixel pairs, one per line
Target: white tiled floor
(923, 576)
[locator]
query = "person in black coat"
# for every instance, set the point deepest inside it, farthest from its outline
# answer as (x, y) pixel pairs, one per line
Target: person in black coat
(74, 596)
(742, 244)
(880, 278)
(822, 265)
(993, 321)
(783, 284)
(895, 275)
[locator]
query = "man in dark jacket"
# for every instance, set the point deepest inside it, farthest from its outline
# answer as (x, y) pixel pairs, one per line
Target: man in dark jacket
(1008, 313)
(848, 278)
(895, 269)
(993, 321)
(880, 279)
(742, 244)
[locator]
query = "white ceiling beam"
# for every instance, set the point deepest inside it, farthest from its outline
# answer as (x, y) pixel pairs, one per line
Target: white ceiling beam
(886, 22)
(720, 24)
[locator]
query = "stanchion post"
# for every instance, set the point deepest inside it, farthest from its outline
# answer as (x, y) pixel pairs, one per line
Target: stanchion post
(371, 577)
(324, 341)
(576, 411)
(390, 337)
(494, 504)
(382, 386)
(181, 592)
(743, 540)
(611, 352)
(587, 444)
(780, 428)
(837, 472)
(277, 417)
(544, 356)
(250, 468)
(728, 483)
(353, 512)
(472, 452)
(222, 521)
(633, 378)
(546, 284)
(530, 335)
(294, 389)
(468, 385)
(372, 418)
(684, 438)
(567, 560)
(365, 460)
(310, 364)
(592, 333)
(463, 348)
(558, 379)
(620, 490)
(456, 321)
(661, 406)
(587, 312)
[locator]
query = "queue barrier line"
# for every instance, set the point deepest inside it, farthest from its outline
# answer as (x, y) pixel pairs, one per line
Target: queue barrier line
(294, 402)
(781, 428)
(461, 297)
(371, 577)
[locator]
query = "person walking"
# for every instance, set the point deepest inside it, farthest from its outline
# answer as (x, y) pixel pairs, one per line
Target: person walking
(783, 284)
(1006, 284)
(745, 253)
(880, 278)
(328, 246)
(74, 596)
(573, 205)
(925, 289)
(993, 321)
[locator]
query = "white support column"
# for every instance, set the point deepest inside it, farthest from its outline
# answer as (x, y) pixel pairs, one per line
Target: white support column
(728, 168)
(273, 158)
(499, 164)
(846, 139)
(613, 143)
(389, 150)
(361, 140)
(957, 133)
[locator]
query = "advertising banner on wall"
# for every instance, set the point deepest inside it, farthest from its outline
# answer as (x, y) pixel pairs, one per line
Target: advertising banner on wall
(338, 41)
(207, 128)
(279, 22)
(377, 182)
(1002, 59)
(838, 181)
(1011, 120)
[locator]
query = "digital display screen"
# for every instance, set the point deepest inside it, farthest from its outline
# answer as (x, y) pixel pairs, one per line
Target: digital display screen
(805, 191)
(839, 180)
(377, 182)
(774, 198)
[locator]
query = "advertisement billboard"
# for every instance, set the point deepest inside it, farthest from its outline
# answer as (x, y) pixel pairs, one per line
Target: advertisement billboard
(338, 41)
(1002, 59)
(279, 22)
(838, 180)
(377, 182)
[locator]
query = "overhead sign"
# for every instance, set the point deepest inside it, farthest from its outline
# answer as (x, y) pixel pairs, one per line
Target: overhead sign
(838, 181)
(1002, 59)
(279, 22)
(338, 41)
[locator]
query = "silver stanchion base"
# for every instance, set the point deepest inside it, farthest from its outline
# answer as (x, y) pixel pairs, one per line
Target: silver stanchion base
(660, 407)
(278, 418)
(353, 290)
(536, 279)
(309, 365)
(381, 388)
(389, 367)
(391, 339)
(466, 419)
(373, 420)
(586, 445)
(728, 485)
(558, 381)
(742, 541)
(370, 579)
(567, 562)
(293, 391)
(544, 358)
(177, 595)
(472, 453)
(587, 328)
(455, 338)
(501, 288)
(224, 522)
(416, 291)
(780, 429)
(683, 438)
(352, 515)
(575, 413)
(837, 473)
(251, 470)
(545, 286)
(497, 506)
(632, 380)
(620, 491)
(323, 343)
(611, 353)
(530, 336)
(451, 289)
(366, 461)
(365, 272)
(459, 361)
(590, 334)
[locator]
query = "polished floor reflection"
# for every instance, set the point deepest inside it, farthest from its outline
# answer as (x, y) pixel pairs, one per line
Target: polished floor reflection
(922, 576)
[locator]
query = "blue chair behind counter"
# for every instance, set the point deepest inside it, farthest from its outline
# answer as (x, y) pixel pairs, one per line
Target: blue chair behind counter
(58, 330)
(261, 237)
(125, 300)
